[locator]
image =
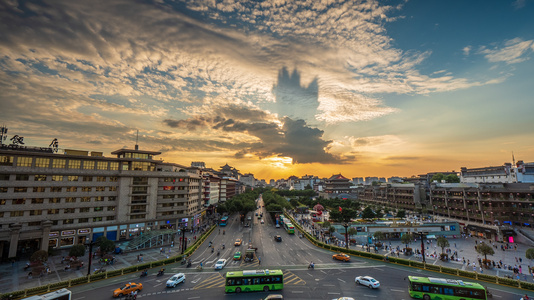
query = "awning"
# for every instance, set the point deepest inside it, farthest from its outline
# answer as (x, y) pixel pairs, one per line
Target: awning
(430, 236)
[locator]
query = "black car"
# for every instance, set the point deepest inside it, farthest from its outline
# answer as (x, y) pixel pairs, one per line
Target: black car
(277, 238)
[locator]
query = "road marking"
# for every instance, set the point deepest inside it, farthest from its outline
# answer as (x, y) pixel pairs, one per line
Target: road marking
(372, 296)
(333, 293)
(341, 280)
(297, 292)
(328, 285)
(396, 290)
(157, 284)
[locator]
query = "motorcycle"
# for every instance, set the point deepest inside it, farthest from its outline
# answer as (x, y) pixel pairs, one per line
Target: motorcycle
(144, 273)
(212, 250)
(189, 264)
(223, 247)
(224, 232)
(161, 272)
(218, 253)
(199, 268)
(311, 266)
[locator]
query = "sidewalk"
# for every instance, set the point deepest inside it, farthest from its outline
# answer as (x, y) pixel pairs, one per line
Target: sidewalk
(466, 250)
(13, 277)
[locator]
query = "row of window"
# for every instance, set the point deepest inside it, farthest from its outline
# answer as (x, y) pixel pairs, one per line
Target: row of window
(20, 201)
(26, 177)
(55, 222)
(61, 163)
(55, 211)
(59, 189)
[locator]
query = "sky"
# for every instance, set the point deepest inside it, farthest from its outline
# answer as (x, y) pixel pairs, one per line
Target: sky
(275, 88)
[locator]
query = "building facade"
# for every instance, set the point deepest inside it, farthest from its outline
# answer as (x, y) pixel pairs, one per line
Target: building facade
(58, 200)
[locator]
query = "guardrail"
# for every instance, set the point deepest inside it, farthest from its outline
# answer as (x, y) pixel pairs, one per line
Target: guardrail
(100, 276)
(416, 264)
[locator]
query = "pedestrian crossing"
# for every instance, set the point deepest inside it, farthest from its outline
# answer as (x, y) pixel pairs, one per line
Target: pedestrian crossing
(217, 280)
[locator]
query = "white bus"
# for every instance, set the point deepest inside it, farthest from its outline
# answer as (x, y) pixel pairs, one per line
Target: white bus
(62, 294)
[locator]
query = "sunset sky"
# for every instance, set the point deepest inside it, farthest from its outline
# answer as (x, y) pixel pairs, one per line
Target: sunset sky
(275, 88)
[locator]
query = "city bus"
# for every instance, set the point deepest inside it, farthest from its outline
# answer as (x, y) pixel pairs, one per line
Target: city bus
(224, 221)
(289, 228)
(62, 294)
(428, 288)
(254, 281)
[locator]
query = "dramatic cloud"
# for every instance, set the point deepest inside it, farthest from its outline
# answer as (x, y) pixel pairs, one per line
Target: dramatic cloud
(514, 51)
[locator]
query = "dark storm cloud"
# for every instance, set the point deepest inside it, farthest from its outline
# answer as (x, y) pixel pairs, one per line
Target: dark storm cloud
(294, 138)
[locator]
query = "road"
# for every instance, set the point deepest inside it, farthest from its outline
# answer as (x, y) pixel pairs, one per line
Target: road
(331, 279)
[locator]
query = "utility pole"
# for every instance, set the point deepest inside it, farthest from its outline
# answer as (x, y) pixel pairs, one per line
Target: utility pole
(91, 243)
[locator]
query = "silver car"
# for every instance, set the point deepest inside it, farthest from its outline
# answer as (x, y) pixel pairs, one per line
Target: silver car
(368, 281)
(175, 280)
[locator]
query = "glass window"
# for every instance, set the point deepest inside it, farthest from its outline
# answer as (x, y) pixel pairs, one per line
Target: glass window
(112, 198)
(4, 177)
(98, 208)
(57, 178)
(22, 177)
(112, 188)
(41, 162)
(37, 200)
(87, 178)
(68, 221)
(101, 178)
(86, 189)
(56, 189)
(36, 223)
(36, 212)
(83, 220)
(73, 178)
(70, 200)
(3, 189)
(39, 178)
(69, 210)
(20, 189)
(24, 161)
(86, 199)
(99, 198)
(110, 218)
(88, 165)
(114, 166)
(111, 208)
(84, 209)
(75, 164)
(58, 163)
(17, 214)
(100, 188)
(54, 211)
(18, 201)
(39, 189)
(6, 160)
(54, 200)
(72, 189)
(97, 219)
(102, 165)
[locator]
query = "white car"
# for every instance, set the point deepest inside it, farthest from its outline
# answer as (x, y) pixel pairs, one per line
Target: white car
(262, 221)
(175, 280)
(368, 281)
(220, 264)
(344, 298)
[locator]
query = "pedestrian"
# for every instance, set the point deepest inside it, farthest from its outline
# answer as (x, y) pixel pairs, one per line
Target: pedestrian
(259, 260)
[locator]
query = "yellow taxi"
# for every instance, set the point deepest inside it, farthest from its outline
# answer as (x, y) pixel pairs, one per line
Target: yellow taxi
(341, 256)
(238, 242)
(127, 289)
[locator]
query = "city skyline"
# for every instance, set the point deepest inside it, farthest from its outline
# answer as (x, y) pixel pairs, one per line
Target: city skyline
(275, 88)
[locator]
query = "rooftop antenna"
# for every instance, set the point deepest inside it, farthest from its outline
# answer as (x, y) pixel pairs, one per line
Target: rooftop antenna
(513, 158)
(136, 140)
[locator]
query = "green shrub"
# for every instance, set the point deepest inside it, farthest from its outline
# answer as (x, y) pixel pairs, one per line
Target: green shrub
(79, 280)
(467, 274)
(59, 285)
(527, 286)
(486, 277)
(114, 273)
(449, 270)
(98, 276)
(433, 267)
(509, 282)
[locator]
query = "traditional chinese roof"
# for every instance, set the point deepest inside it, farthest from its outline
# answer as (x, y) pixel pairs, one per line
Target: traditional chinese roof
(337, 176)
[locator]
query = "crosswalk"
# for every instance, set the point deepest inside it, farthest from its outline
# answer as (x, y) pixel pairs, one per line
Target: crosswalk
(217, 280)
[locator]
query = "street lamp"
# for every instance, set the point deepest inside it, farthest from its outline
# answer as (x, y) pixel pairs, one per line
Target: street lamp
(346, 225)
(184, 241)
(423, 246)
(91, 244)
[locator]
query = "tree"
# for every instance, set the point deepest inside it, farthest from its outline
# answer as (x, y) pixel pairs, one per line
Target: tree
(401, 214)
(368, 213)
(308, 187)
(407, 238)
(77, 250)
(452, 178)
(326, 224)
(437, 177)
(39, 256)
(379, 235)
(485, 249)
(331, 229)
(294, 202)
(105, 245)
(353, 231)
(442, 242)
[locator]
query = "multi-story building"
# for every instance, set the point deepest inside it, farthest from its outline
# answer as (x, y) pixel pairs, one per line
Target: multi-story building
(497, 174)
(370, 180)
(337, 184)
(248, 180)
(58, 200)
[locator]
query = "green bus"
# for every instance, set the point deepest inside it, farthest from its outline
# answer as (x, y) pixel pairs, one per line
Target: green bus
(254, 281)
(429, 288)
(289, 228)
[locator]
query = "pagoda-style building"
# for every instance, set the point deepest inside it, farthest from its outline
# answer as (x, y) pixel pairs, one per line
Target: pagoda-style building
(337, 184)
